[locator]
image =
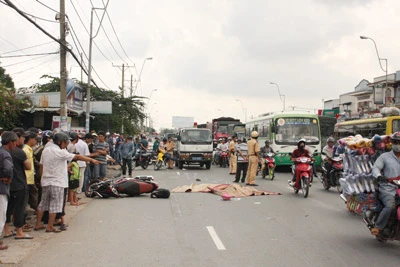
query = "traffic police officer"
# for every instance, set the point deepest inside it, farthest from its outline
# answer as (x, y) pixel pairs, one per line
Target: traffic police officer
(253, 150)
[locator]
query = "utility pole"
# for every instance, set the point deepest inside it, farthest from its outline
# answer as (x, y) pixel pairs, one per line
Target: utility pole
(123, 67)
(91, 37)
(131, 93)
(63, 68)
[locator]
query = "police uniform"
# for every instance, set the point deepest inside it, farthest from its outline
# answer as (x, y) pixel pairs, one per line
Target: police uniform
(232, 158)
(170, 149)
(253, 150)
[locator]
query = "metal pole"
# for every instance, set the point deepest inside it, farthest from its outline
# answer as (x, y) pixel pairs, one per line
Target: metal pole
(123, 77)
(89, 75)
(63, 63)
(131, 94)
(81, 69)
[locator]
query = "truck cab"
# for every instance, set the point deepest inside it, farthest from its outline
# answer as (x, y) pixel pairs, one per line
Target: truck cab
(194, 146)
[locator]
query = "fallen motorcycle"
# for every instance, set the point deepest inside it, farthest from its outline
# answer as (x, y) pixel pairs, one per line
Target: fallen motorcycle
(121, 187)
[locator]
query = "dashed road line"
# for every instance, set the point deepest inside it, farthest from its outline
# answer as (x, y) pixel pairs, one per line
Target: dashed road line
(218, 243)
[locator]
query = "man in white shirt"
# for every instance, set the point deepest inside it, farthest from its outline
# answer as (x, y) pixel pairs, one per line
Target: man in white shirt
(54, 172)
(81, 148)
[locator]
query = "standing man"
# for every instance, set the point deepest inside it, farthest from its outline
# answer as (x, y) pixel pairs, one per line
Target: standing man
(32, 192)
(8, 140)
(81, 148)
(101, 147)
(156, 144)
(16, 204)
(253, 149)
(127, 151)
(89, 167)
(118, 143)
(232, 155)
(55, 179)
(170, 151)
(242, 160)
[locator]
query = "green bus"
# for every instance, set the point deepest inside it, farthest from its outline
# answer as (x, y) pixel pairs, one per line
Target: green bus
(284, 130)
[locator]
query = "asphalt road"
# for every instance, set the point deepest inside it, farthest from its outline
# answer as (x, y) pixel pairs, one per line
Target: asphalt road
(199, 229)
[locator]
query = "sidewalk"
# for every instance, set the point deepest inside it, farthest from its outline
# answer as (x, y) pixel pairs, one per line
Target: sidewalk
(19, 249)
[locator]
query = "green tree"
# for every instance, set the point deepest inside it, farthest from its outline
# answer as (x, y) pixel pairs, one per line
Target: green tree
(11, 107)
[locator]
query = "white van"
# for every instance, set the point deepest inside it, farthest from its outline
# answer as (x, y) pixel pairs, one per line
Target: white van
(194, 146)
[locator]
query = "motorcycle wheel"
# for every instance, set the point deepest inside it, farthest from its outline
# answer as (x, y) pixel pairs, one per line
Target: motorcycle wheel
(89, 191)
(304, 186)
(145, 164)
(324, 183)
(224, 163)
(158, 165)
(271, 172)
(264, 173)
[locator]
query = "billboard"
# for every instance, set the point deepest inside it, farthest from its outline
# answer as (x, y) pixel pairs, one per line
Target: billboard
(182, 122)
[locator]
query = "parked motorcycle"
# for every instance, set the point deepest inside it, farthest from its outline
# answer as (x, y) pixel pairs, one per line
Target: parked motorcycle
(269, 166)
(141, 158)
(392, 229)
(303, 171)
(121, 187)
(331, 179)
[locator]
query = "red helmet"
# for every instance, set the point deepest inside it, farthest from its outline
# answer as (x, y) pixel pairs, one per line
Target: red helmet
(226, 197)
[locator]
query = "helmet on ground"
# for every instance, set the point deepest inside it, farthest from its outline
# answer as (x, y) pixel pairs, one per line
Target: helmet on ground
(60, 137)
(396, 136)
(254, 134)
(330, 139)
(226, 197)
(160, 193)
(301, 141)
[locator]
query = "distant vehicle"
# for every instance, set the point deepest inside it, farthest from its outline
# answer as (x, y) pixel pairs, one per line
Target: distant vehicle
(195, 146)
(223, 127)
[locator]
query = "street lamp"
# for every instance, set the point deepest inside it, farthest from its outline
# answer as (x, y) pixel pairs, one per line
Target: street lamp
(243, 109)
(280, 95)
(379, 58)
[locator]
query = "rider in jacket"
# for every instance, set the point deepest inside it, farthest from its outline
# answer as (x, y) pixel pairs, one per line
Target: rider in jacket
(300, 151)
(387, 164)
(328, 151)
(264, 151)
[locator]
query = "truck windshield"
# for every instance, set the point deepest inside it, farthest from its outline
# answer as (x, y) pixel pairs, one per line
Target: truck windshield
(196, 137)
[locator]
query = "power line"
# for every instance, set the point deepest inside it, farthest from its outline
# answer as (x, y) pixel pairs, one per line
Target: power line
(16, 73)
(116, 35)
(43, 4)
(48, 34)
(27, 48)
(30, 55)
(108, 38)
(10, 65)
(34, 16)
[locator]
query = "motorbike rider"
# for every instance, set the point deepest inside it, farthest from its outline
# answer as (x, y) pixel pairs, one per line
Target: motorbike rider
(300, 151)
(387, 164)
(223, 146)
(328, 150)
(264, 151)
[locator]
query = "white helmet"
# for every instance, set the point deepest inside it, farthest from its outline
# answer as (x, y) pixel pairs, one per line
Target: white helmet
(254, 134)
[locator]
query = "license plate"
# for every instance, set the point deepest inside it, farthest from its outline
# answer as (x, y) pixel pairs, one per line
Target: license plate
(196, 158)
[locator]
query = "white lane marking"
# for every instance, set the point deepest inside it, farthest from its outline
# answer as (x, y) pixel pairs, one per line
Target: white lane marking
(257, 203)
(215, 238)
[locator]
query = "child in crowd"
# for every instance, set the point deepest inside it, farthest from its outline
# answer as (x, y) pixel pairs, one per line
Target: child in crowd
(74, 176)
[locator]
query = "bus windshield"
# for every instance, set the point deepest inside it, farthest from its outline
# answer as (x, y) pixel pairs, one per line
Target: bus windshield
(196, 137)
(290, 130)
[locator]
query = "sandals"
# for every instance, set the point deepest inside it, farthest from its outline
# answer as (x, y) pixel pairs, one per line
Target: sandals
(10, 235)
(54, 230)
(23, 237)
(63, 227)
(40, 228)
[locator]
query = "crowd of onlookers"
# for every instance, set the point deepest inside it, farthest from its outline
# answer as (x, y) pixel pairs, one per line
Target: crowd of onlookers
(42, 171)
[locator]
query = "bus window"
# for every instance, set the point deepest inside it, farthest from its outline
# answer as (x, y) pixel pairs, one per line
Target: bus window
(395, 126)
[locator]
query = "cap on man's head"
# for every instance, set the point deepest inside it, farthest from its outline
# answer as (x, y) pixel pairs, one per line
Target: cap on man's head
(20, 132)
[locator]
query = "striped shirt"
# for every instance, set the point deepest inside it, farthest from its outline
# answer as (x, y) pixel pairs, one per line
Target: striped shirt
(99, 147)
(242, 147)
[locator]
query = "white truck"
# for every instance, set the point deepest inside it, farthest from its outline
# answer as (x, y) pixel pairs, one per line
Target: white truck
(194, 146)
